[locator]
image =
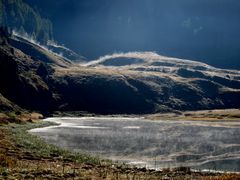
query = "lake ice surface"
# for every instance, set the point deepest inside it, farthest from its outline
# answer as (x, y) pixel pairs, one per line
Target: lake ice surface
(152, 144)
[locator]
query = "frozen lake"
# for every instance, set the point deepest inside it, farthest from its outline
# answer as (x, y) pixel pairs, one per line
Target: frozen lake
(154, 144)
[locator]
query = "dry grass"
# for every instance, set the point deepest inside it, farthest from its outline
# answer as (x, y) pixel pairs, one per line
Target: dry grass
(205, 115)
(19, 117)
(223, 177)
(23, 156)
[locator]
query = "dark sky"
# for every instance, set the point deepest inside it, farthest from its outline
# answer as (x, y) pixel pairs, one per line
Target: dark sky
(207, 30)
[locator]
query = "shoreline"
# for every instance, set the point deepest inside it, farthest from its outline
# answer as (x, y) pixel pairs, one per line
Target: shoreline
(59, 122)
(60, 163)
(19, 147)
(201, 115)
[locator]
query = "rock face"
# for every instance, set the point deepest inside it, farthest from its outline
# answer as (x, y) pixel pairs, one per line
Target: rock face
(132, 83)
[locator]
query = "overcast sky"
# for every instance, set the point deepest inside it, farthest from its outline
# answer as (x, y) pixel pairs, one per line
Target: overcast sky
(206, 30)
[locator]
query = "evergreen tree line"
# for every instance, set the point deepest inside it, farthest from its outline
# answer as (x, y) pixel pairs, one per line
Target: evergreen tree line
(21, 17)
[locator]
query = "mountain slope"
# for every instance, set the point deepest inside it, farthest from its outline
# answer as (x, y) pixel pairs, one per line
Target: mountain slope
(145, 82)
(37, 51)
(135, 82)
(20, 16)
(24, 80)
(6, 105)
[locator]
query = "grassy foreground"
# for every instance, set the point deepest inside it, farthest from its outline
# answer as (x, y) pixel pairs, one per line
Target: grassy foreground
(25, 156)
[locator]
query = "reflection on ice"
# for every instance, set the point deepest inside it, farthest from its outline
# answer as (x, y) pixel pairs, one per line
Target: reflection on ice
(153, 144)
(131, 127)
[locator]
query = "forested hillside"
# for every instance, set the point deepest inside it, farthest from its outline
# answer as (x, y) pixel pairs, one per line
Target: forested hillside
(21, 17)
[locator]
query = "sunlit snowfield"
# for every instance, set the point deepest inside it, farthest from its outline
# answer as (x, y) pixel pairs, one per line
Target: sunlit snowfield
(154, 144)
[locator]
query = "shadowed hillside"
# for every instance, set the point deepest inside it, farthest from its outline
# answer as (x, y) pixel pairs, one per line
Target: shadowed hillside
(145, 82)
(132, 83)
(24, 80)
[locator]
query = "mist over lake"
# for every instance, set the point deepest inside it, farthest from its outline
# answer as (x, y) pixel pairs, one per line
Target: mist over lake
(150, 89)
(151, 144)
